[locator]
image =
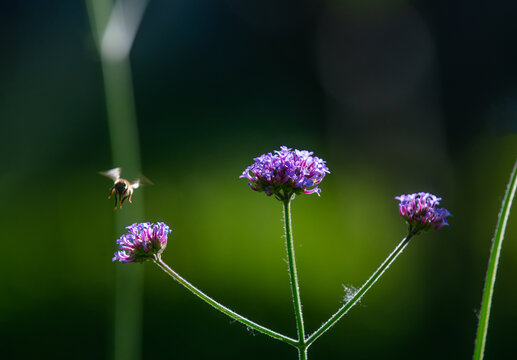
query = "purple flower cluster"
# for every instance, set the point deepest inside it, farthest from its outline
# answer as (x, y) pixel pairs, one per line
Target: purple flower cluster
(420, 212)
(143, 241)
(286, 173)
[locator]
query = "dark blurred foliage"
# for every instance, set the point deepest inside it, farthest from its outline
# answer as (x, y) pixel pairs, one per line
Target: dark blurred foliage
(397, 96)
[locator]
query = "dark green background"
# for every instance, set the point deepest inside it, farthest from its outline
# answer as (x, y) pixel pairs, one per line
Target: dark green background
(398, 97)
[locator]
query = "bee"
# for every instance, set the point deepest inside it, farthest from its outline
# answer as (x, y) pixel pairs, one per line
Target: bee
(122, 188)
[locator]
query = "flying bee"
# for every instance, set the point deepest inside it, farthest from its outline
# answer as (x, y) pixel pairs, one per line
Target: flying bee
(122, 188)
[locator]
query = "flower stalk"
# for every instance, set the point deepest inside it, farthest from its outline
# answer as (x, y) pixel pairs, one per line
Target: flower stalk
(221, 307)
(360, 293)
(293, 275)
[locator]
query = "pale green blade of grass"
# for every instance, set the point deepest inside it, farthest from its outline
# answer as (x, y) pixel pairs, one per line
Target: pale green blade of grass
(125, 150)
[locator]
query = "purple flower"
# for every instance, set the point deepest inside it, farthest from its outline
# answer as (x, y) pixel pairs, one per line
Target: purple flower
(286, 173)
(143, 241)
(420, 212)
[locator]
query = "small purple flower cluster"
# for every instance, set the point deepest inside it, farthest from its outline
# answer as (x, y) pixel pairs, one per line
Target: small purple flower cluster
(420, 212)
(143, 241)
(286, 173)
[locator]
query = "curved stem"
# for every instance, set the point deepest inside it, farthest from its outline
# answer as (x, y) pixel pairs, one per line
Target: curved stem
(223, 308)
(491, 274)
(359, 294)
(295, 289)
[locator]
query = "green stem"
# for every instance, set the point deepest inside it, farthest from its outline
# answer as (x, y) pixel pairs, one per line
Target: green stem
(223, 308)
(359, 294)
(295, 288)
(302, 353)
(493, 262)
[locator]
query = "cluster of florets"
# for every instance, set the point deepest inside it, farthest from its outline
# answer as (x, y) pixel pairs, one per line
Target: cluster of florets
(143, 241)
(421, 213)
(286, 173)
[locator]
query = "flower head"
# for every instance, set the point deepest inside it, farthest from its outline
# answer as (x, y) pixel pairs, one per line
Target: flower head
(143, 241)
(420, 212)
(286, 173)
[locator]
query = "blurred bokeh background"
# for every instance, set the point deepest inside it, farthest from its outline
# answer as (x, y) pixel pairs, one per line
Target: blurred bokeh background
(397, 96)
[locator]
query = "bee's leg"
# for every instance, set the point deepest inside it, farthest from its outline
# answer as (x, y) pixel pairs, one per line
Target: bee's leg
(122, 198)
(112, 192)
(130, 196)
(116, 201)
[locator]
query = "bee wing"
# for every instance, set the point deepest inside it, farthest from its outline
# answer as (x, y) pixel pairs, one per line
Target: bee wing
(113, 174)
(141, 181)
